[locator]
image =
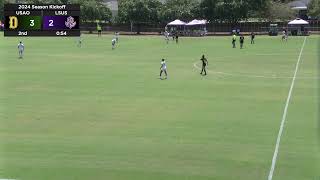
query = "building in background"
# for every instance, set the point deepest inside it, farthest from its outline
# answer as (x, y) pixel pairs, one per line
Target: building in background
(113, 5)
(301, 6)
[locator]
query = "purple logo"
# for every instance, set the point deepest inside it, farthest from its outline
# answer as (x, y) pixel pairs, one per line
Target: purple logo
(70, 23)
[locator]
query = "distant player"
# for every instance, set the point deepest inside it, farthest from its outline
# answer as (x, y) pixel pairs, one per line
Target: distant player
(99, 29)
(234, 39)
(80, 41)
(113, 42)
(204, 64)
(117, 36)
(284, 35)
(241, 41)
(177, 38)
(21, 49)
(252, 37)
(166, 35)
(163, 68)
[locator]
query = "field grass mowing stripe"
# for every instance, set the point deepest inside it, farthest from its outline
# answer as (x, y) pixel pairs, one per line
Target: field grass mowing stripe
(276, 150)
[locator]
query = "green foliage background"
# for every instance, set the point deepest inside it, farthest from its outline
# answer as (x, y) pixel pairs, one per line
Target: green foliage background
(156, 11)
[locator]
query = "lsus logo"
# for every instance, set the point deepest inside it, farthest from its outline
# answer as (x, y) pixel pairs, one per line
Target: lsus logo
(70, 23)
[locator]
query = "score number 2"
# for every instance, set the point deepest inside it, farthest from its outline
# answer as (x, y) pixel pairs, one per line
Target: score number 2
(51, 23)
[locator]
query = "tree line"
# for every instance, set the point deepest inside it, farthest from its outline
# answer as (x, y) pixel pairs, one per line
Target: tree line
(231, 11)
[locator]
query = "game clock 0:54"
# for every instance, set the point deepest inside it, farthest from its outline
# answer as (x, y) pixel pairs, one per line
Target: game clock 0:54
(61, 33)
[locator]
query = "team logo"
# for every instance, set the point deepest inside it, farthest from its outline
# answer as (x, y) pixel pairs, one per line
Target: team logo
(13, 22)
(70, 23)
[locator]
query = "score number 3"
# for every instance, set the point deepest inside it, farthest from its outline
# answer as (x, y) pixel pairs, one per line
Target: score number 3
(32, 23)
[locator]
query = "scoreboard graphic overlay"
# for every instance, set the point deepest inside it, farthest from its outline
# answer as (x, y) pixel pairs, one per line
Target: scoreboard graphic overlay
(42, 20)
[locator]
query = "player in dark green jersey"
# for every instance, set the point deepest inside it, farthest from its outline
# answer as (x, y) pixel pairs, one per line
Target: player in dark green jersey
(241, 41)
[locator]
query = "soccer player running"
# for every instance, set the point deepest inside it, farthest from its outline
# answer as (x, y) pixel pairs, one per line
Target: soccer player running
(163, 68)
(21, 49)
(252, 37)
(204, 64)
(234, 38)
(241, 41)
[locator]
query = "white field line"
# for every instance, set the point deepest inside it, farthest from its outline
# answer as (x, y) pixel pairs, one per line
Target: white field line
(276, 150)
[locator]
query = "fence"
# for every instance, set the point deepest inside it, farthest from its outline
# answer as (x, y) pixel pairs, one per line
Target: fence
(212, 28)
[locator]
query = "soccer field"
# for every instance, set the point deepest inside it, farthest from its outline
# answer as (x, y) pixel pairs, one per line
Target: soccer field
(93, 113)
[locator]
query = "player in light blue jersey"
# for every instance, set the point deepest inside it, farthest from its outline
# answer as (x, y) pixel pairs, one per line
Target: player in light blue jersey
(163, 68)
(21, 49)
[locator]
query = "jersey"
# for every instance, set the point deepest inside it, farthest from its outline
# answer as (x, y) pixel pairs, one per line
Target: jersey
(166, 34)
(204, 61)
(113, 42)
(284, 33)
(234, 38)
(99, 28)
(21, 47)
(163, 65)
(241, 39)
(252, 35)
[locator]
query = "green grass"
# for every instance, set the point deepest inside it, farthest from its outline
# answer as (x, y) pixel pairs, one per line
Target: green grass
(90, 113)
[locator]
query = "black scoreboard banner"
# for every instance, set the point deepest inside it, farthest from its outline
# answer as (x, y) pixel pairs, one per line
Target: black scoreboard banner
(42, 20)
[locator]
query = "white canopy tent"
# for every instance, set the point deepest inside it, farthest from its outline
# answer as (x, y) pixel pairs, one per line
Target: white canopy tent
(193, 28)
(196, 28)
(298, 27)
(300, 8)
(298, 21)
(176, 27)
(197, 22)
(176, 22)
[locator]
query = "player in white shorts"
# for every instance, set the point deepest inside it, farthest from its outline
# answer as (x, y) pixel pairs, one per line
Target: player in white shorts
(21, 49)
(163, 68)
(113, 42)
